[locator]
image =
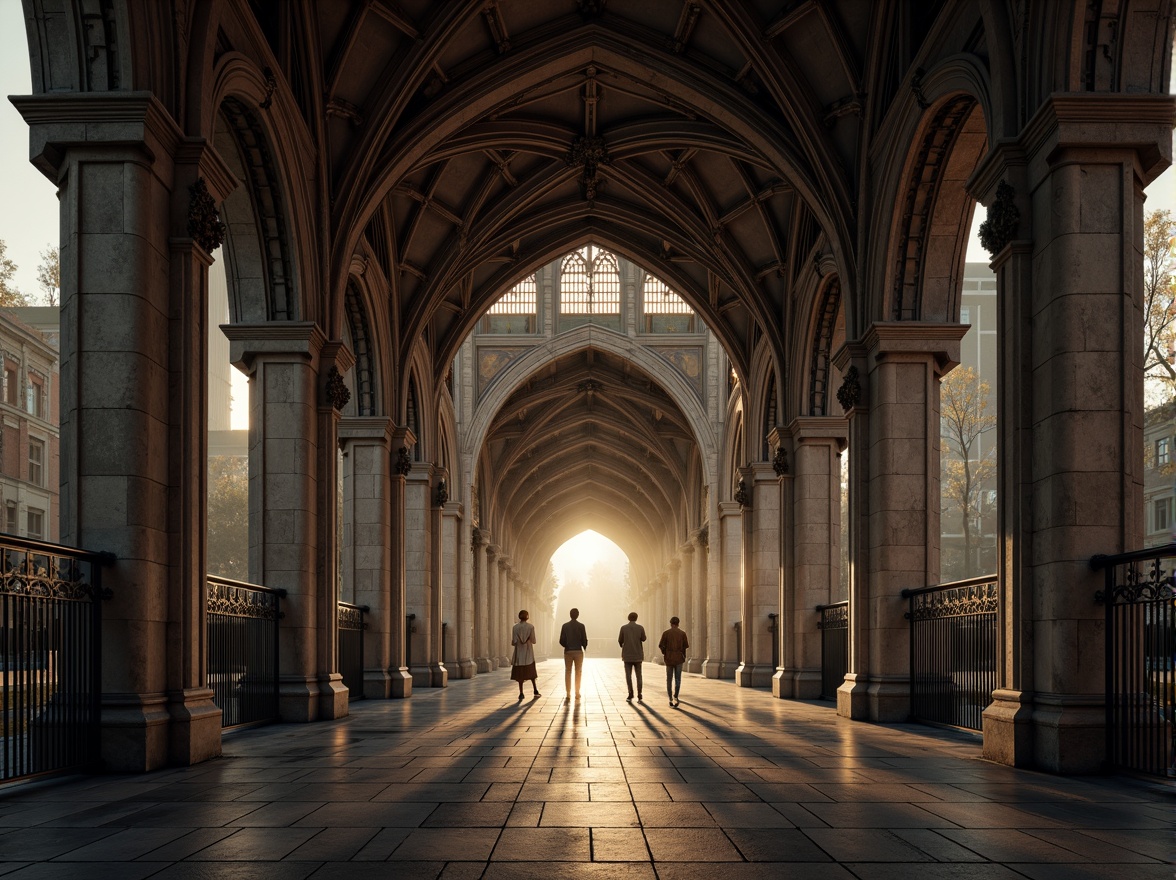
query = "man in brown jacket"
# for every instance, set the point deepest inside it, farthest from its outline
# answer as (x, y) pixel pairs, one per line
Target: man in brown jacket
(673, 646)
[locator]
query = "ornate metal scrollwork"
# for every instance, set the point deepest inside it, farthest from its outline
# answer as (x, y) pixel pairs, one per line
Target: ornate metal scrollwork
(849, 394)
(1133, 585)
(1000, 227)
(780, 462)
(955, 602)
(834, 617)
(742, 494)
(204, 222)
(45, 576)
(351, 618)
(337, 393)
(239, 601)
(403, 461)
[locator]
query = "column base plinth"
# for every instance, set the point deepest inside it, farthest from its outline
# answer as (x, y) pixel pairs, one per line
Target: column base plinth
(889, 700)
(1008, 728)
(133, 734)
(852, 699)
(466, 668)
(194, 734)
(754, 675)
(1069, 733)
(484, 664)
(377, 685)
(334, 697)
(693, 665)
(806, 684)
(438, 676)
(399, 683)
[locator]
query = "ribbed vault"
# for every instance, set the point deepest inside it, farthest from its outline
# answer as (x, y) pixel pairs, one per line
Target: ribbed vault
(589, 441)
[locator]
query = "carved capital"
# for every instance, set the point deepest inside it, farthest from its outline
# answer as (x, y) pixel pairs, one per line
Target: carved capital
(1003, 219)
(403, 461)
(442, 493)
(742, 494)
(337, 393)
(849, 394)
(204, 223)
(780, 462)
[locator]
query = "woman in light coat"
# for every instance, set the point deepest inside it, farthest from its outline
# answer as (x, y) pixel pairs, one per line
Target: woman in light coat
(522, 664)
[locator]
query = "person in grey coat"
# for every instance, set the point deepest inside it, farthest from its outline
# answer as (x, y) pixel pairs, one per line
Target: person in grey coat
(632, 652)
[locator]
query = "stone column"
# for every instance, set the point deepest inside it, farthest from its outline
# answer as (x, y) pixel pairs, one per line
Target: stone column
(686, 602)
(508, 618)
(438, 497)
(698, 606)
(367, 537)
(286, 535)
(1071, 407)
(458, 652)
(133, 403)
(906, 361)
(761, 575)
(495, 601)
(464, 609)
(816, 538)
(402, 441)
(479, 539)
(723, 602)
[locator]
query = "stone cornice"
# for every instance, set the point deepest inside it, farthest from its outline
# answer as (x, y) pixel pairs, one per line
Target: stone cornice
(942, 341)
(377, 428)
(58, 122)
(808, 428)
(278, 338)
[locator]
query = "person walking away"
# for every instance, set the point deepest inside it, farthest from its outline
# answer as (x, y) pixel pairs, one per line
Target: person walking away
(673, 645)
(632, 653)
(522, 663)
(574, 639)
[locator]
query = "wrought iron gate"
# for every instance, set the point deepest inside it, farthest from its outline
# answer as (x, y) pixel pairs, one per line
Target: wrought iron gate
(50, 647)
(834, 627)
(351, 627)
(243, 650)
(1140, 601)
(953, 651)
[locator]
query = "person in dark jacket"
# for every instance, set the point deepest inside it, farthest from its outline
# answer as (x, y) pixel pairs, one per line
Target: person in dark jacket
(574, 639)
(630, 639)
(673, 646)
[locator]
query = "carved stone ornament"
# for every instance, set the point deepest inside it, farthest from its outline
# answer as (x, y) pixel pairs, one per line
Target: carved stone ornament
(477, 539)
(442, 493)
(1003, 219)
(591, 8)
(337, 393)
(271, 86)
(780, 462)
(403, 461)
(849, 394)
(204, 223)
(742, 494)
(588, 153)
(590, 385)
(704, 537)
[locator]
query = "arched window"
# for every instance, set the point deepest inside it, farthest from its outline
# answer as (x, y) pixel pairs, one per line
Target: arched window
(590, 283)
(664, 310)
(516, 311)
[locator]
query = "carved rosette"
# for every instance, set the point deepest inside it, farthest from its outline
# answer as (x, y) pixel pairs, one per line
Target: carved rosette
(403, 461)
(204, 223)
(589, 154)
(849, 394)
(742, 494)
(780, 462)
(1003, 219)
(337, 393)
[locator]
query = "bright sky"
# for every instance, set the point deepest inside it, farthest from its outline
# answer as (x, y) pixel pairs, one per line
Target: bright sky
(577, 556)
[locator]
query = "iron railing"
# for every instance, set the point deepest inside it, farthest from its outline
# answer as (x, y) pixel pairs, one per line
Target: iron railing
(243, 650)
(834, 627)
(953, 651)
(50, 650)
(1140, 601)
(351, 627)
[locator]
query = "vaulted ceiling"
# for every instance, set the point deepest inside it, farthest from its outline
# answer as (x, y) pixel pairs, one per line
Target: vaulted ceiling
(590, 441)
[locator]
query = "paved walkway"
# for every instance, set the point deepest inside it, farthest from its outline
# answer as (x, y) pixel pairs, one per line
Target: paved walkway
(467, 782)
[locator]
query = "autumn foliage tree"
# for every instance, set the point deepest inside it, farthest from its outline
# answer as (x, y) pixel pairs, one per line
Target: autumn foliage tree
(968, 465)
(49, 275)
(228, 516)
(1159, 301)
(10, 294)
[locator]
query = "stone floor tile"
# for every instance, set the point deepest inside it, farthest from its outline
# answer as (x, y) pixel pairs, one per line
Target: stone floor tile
(234, 871)
(378, 815)
(437, 792)
(555, 791)
(609, 791)
(1094, 872)
(1094, 850)
(1010, 845)
(795, 792)
(858, 815)
(755, 871)
(448, 844)
(277, 815)
(123, 846)
(711, 791)
(539, 871)
(42, 844)
(872, 792)
(776, 845)
(526, 814)
(480, 815)
(333, 845)
(989, 815)
(502, 791)
(865, 844)
(344, 870)
(189, 843)
(746, 815)
(190, 814)
(619, 845)
(930, 842)
(102, 871)
(674, 815)
(690, 845)
(382, 845)
(543, 845)
(652, 775)
(932, 871)
(603, 814)
(256, 845)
